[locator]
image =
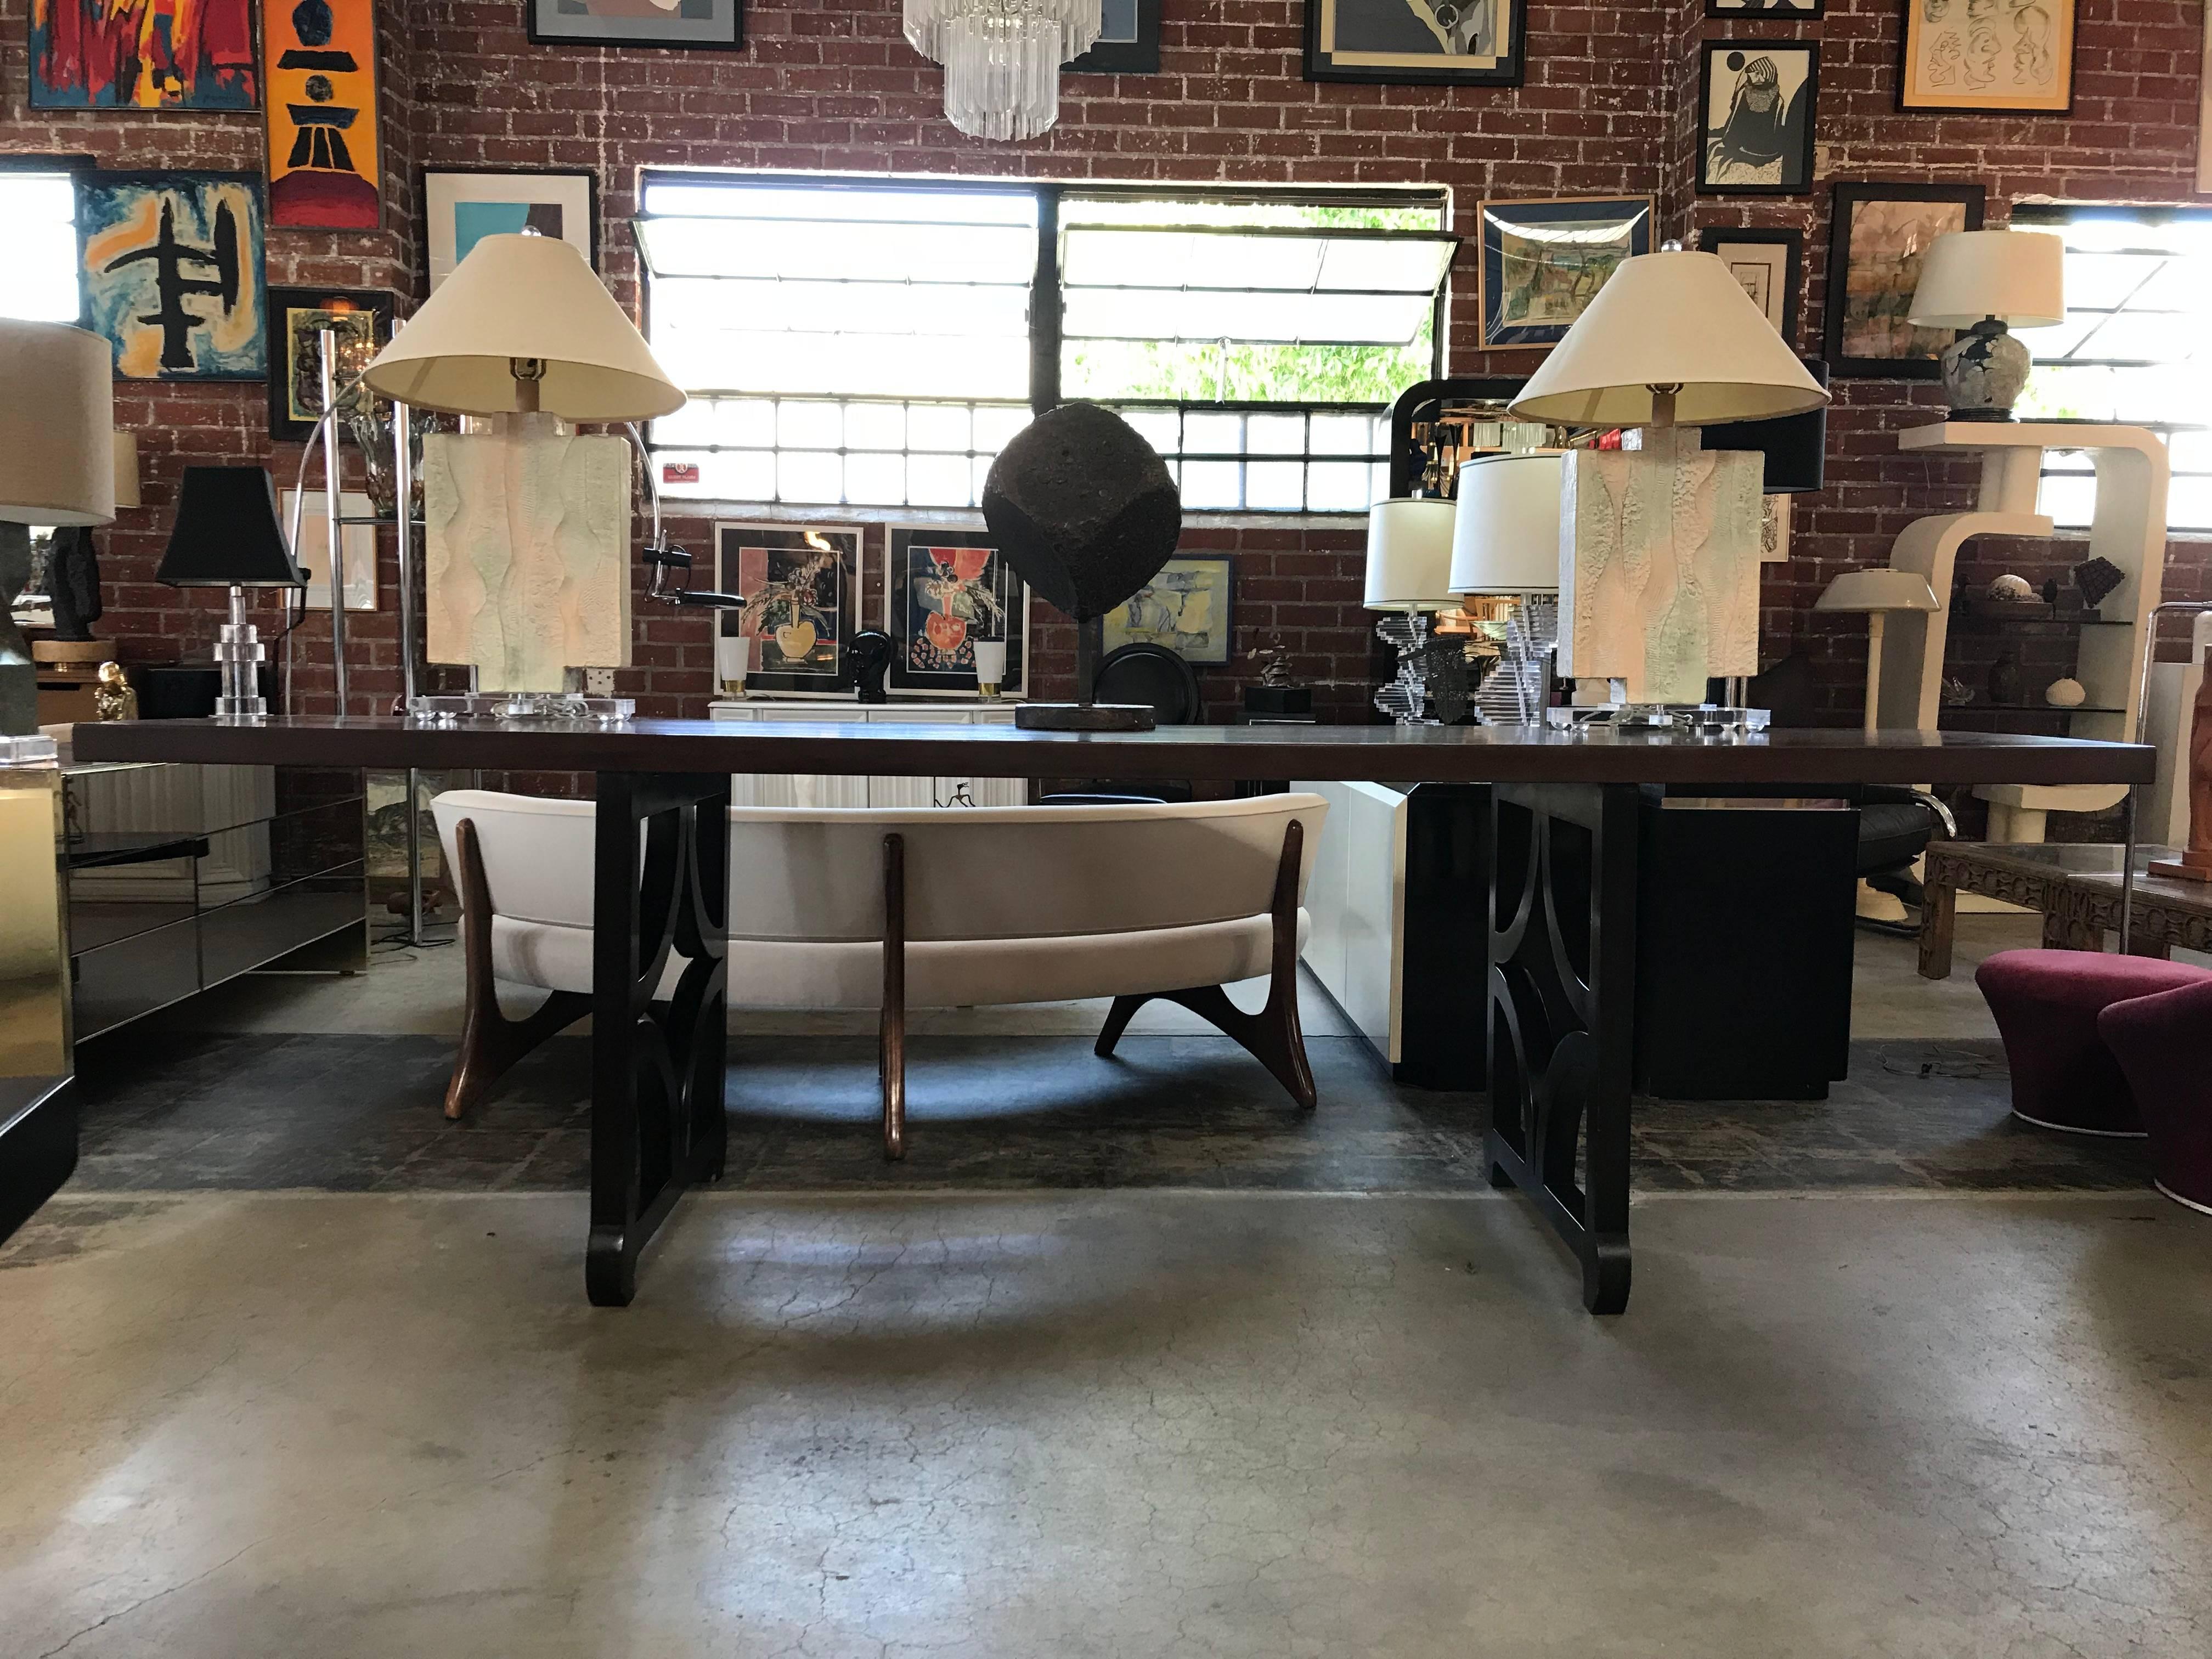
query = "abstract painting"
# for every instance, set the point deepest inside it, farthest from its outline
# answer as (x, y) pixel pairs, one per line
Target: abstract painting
(361, 319)
(1770, 266)
(171, 268)
(1465, 43)
(1877, 236)
(143, 54)
(1992, 57)
(1544, 261)
(1759, 98)
(943, 591)
(1186, 608)
(467, 205)
(637, 23)
(1770, 10)
(319, 60)
(801, 585)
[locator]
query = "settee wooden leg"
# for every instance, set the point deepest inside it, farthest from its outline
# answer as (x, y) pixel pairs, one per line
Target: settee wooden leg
(491, 1042)
(890, 1060)
(1117, 1021)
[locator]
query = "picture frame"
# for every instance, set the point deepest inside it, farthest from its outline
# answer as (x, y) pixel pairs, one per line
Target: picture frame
(91, 55)
(322, 129)
(1189, 607)
(355, 534)
(1765, 11)
(2007, 60)
(364, 320)
(1530, 295)
(1770, 265)
(170, 313)
(691, 25)
(1757, 101)
(936, 604)
(1877, 235)
(803, 609)
(1128, 43)
(464, 204)
(1387, 43)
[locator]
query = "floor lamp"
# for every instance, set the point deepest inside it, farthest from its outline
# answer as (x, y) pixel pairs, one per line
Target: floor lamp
(1875, 593)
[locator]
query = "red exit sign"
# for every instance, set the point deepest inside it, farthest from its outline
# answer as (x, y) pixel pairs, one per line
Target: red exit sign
(679, 472)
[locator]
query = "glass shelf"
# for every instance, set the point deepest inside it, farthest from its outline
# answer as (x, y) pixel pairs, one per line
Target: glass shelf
(371, 518)
(2028, 708)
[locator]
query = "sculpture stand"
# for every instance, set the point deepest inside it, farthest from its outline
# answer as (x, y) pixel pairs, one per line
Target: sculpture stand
(1085, 716)
(2195, 864)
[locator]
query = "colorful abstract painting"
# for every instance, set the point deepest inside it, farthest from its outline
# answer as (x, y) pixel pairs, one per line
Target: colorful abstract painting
(801, 587)
(319, 61)
(943, 591)
(1185, 608)
(143, 54)
(170, 263)
(466, 205)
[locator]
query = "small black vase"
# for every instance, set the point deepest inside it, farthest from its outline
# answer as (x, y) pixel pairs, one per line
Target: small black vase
(2005, 684)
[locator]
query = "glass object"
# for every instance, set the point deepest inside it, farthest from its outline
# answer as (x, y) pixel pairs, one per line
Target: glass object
(370, 420)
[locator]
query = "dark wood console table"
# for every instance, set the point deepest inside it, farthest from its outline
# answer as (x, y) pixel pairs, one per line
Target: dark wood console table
(1561, 947)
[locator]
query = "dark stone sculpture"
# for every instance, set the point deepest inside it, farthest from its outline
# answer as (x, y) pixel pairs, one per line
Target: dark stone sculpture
(73, 576)
(870, 651)
(1083, 509)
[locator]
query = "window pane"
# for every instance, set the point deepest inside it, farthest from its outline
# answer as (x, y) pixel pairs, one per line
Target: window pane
(1214, 484)
(37, 280)
(1341, 435)
(1276, 434)
(810, 425)
(745, 422)
(1160, 427)
(877, 479)
(2189, 504)
(1212, 435)
(1338, 487)
(875, 426)
(1275, 486)
(995, 428)
(804, 475)
(939, 481)
(937, 426)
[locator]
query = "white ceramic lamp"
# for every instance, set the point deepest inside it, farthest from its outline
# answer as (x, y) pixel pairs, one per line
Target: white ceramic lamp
(1659, 543)
(990, 666)
(734, 660)
(1990, 282)
(1875, 593)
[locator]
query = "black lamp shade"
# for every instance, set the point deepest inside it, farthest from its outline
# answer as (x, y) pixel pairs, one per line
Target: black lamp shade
(225, 534)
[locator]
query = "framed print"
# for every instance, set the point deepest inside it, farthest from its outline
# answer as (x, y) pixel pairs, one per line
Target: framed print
(142, 55)
(312, 552)
(1772, 10)
(2013, 59)
(1129, 41)
(1770, 265)
(801, 585)
(361, 319)
(319, 60)
(169, 265)
(467, 204)
(1758, 97)
(1543, 261)
(943, 591)
(711, 23)
(1188, 608)
(1877, 236)
(1416, 43)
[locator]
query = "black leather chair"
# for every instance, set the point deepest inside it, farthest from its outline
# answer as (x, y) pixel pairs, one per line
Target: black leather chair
(1154, 676)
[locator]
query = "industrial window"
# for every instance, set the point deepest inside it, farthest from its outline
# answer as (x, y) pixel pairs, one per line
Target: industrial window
(875, 343)
(37, 280)
(2131, 349)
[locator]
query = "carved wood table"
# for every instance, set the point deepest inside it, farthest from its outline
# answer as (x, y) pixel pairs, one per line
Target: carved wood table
(2075, 888)
(1560, 961)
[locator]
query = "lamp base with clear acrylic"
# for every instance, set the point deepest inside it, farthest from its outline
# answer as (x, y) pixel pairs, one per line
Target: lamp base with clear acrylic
(238, 655)
(1431, 687)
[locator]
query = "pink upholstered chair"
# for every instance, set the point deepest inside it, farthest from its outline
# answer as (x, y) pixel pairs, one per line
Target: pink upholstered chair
(2163, 1043)
(2047, 1004)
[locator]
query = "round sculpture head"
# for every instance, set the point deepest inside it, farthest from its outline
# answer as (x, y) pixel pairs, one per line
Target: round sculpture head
(1083, 509)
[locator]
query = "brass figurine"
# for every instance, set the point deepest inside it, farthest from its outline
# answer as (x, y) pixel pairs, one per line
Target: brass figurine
(114, 698)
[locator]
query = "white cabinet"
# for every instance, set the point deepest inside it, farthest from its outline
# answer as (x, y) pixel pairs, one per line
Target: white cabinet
(768, 789)
(1356, 901)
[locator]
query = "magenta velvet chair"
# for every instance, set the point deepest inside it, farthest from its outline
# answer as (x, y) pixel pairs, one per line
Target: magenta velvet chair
(2164, 1045)
(2046, 1005)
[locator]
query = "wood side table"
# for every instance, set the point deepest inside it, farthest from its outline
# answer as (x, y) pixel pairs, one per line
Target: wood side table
(2076, 890)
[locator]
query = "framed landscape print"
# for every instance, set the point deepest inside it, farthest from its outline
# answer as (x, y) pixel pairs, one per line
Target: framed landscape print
(361, 319)
(1129, 41)
(169, 265)
(1988, 57)
(713, 23)
(1186, 608)
(144, 54)
(1776, 10)
(801, 585)
(1467, 43)
(1758, 97)
(1770, 265)
(1877, 236)
(319, 60)
(1543, 261)
(467, 204)
(943, 591)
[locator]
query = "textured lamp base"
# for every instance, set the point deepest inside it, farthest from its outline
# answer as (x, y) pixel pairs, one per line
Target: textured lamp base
(1984, 370)
(1085, 717)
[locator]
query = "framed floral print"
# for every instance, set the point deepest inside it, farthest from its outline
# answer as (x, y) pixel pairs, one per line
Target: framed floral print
(801, 585)
(943, 591)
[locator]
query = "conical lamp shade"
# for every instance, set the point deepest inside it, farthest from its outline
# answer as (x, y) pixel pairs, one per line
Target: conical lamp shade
(225, 533)
(524, 297)
(1675, 320)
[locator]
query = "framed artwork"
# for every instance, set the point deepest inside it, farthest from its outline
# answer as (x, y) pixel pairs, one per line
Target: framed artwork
(1877, 236)
(144, 54)
(1129, 41)
(1774, 528)
(943, 591)
(801, 585)
(1988, 57)
(1770, 265)
(170, 268)
(318, 62)
(363, 320)
(1757, 97)
(467, 204)
(312, 552)
(713, 23)
(1430, 43)
(1775, 10)
(1188, 608)
(1543, 261)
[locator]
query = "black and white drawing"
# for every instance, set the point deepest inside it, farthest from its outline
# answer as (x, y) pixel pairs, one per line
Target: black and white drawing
(1757, 97)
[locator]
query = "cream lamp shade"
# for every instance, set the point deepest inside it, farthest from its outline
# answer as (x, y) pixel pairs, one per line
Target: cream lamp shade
(519, 297)
(2018, 276)
(57, 425)
(1674, 320)
(127, 470)
(1505, 538)
(1409, 544)
(1878, 590)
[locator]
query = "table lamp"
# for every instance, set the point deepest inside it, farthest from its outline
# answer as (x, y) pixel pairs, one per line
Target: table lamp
(526, 528)
(1990, 282)
(1409, 541)
(226, 535)
(1505, 540)
(56, 467)
(1659, 541)
(1876, 593)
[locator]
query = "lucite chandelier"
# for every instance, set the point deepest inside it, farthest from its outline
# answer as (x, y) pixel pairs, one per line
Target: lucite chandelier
(1002, 58)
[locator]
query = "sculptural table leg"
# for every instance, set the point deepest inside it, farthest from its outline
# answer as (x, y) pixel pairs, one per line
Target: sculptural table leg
(661, 887)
